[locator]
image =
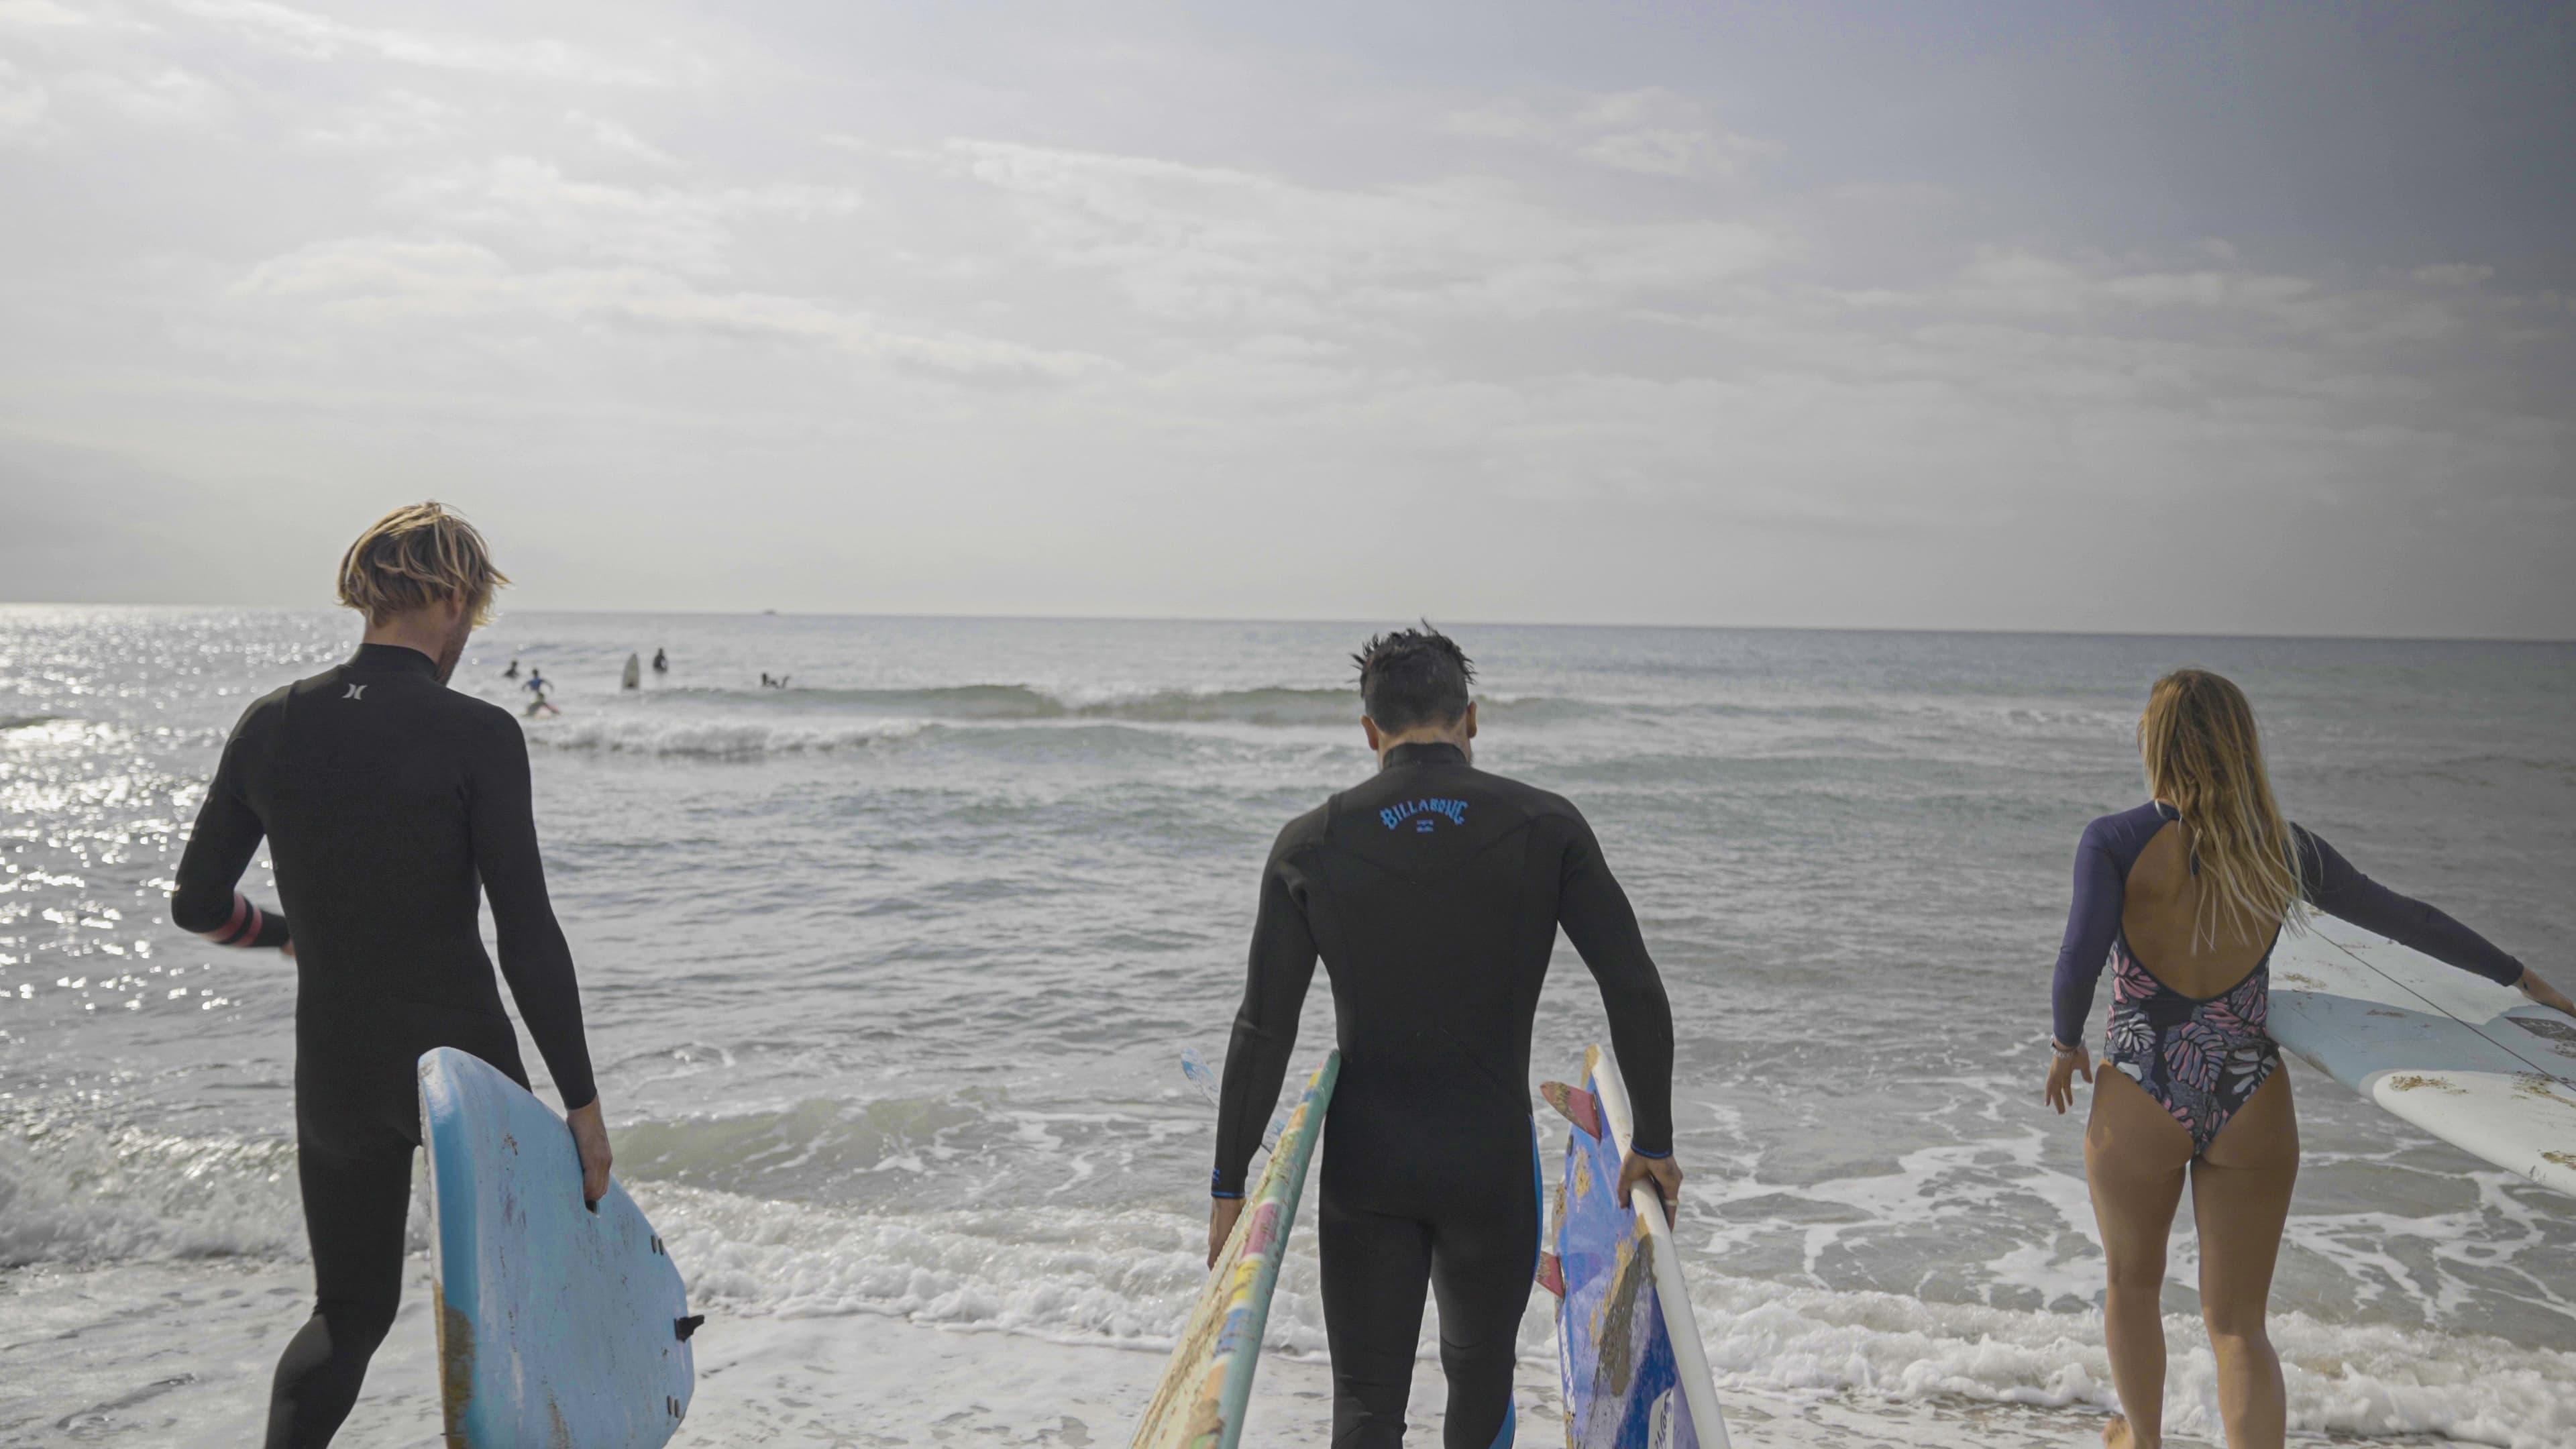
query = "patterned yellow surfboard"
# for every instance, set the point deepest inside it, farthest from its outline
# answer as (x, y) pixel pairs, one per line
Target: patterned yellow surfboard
(1200, 1402)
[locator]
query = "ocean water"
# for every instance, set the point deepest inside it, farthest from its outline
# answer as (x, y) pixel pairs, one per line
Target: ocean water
(889, 974)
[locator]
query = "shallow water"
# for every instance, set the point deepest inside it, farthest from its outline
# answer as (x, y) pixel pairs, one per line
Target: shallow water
(889, 973)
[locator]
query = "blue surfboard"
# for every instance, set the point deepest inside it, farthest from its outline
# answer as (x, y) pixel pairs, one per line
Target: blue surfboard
(557, 1324)
(1635, 1373)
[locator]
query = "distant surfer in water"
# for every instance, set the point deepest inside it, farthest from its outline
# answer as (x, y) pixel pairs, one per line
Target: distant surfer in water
(2184, 897)
(391, 805)
(512, 672)
(537, 686)
(1432, 892)
(661, 662)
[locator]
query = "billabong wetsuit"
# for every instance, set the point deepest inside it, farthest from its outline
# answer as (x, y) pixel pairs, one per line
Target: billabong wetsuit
(2204, 1058)
(386, 799)
(1433, 893)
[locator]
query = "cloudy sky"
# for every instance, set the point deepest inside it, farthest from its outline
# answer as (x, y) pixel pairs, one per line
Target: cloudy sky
(2145, 317)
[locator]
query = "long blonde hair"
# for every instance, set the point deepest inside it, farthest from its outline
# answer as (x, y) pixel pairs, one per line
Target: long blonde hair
(416, 556)
(2205, 759)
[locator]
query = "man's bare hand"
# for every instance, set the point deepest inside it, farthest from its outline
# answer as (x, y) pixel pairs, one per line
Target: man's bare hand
(590, 1136)
(1663, 1172)
(1222, 1213)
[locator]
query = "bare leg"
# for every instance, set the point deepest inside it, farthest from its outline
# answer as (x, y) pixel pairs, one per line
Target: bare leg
(2240, 1194)
(2134, 1159)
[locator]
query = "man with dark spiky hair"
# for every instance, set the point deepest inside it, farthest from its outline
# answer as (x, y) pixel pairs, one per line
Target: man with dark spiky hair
(1433, 893)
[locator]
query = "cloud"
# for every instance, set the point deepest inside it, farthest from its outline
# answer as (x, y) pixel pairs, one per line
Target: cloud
(1230, 245)
(397, 118)
(2096, 290)
(309, 36)
(530, 204)
(160, 95)
(24, 107)
(1650, 132)
(389, 282)
(617, 140)
(41, 12)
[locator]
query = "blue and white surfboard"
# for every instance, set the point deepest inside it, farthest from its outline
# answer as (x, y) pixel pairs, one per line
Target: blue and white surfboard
(1635, 1373)
(556, 1324)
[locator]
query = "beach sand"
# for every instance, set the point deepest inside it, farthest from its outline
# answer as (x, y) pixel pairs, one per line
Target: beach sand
(177, 1355)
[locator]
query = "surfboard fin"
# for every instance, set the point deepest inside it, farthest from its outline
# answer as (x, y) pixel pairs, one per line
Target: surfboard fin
(1575, 1104)
(681, 1328)
(1551, 1273)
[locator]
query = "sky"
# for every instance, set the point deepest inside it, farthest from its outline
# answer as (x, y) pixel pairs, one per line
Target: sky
(2164, 318)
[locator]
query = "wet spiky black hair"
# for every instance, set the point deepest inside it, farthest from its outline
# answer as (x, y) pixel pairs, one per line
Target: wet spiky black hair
(1413, 677)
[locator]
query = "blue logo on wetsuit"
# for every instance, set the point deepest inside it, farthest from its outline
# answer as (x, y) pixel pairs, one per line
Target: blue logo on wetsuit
(1426, 815)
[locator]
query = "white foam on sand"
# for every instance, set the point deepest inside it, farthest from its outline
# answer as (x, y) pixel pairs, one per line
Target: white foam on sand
(159, 1266)
(179, 1355)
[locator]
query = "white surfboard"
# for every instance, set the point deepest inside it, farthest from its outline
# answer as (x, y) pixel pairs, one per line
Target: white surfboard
(2478, 1065)
(633, 678)
(1634, 1371)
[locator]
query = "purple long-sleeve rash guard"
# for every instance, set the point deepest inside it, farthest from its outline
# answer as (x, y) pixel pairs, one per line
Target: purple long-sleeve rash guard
(2111, 846)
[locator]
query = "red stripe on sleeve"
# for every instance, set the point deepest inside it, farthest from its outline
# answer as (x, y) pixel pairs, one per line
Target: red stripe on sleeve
(223, 935)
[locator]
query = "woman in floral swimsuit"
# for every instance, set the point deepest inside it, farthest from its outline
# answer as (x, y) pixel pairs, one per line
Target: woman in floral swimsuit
(2183, 898)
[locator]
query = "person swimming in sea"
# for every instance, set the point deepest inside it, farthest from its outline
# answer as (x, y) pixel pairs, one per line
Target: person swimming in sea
(512, 672)
(661, 662)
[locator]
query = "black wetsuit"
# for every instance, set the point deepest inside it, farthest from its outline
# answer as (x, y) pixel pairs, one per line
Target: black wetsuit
(1433, 893)
(386, 798)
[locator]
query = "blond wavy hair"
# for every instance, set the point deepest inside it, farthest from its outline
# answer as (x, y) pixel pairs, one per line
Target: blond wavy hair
(2204, 757)
(417, 556)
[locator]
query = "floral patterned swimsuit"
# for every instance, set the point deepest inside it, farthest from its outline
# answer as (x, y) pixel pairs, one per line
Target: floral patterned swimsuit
(2200, 1058)
(2203, 1059)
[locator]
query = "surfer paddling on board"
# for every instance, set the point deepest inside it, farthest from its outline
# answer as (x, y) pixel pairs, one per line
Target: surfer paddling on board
(1433, 893)
(2184, 897)
(392, 807)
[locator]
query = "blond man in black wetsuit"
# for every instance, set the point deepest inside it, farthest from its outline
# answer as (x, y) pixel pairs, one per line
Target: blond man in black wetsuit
(392, 806)
(1432, 892)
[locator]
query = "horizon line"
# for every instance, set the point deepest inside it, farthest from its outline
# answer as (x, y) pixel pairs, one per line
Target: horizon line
(2251, 636)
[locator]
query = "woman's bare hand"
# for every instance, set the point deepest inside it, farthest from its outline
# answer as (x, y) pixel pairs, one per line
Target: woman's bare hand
(2063, 1069)
(2541, 991)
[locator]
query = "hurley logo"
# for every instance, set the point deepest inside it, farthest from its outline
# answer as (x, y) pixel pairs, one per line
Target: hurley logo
(1426, 815)
(356, 692)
